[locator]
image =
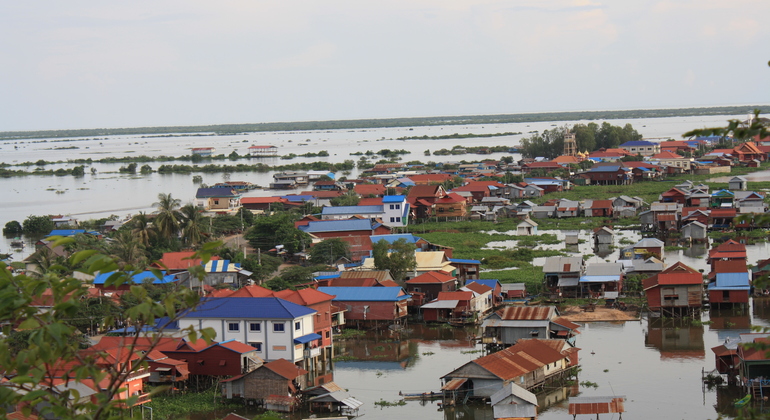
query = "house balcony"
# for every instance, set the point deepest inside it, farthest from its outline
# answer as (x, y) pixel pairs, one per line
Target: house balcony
(313, 353)
(140, 373)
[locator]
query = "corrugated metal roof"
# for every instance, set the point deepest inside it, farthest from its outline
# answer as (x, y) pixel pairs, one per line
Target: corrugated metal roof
(604, 269)
(138, 278)
(408, 237)
(454, 384)
(339, 225)
(441, 304)
(222, 266)
(527, 313)
(732, 280)
(351, 210)
(248, 308)
(363, 294)
(599, 279)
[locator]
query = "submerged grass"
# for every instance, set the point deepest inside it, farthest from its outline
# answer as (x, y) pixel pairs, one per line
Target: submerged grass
(168, 406)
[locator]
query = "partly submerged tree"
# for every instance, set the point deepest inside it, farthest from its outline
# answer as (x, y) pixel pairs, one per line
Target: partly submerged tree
(45, 372)
(397, 257)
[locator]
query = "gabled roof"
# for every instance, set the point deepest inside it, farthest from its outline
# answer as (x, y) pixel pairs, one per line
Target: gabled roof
(343, 210)
(138, 278)
(528, 313)
(667, 155)
(491, 283)
(366, 294)
(478, 288)
(457, 295)
(369, 189)
(649, 243)
(304, 297)
(285, 369)
(216, 192)
(179, 260)
(525, 356)
(339, 225)
(248, 308)
(730, 266)
(251, 291)
(432, 277)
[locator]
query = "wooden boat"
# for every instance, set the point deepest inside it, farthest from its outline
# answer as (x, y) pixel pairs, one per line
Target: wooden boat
(421, 396)
(743, 401)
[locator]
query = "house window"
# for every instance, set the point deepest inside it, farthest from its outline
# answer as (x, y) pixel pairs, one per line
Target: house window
(398, 206)
(392, 206)
(216, 202)
(278, 327)
(233, 326)
(398, 219)
(256, 345)
(296, 326)
(279, 348)
(534, 333)
(255, 326)
(327, 334)
(392, 219)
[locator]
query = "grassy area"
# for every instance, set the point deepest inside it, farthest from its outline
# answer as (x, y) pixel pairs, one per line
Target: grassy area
(167, 406)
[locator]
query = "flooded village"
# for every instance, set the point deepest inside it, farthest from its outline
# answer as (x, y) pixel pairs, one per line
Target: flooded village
(589, 296)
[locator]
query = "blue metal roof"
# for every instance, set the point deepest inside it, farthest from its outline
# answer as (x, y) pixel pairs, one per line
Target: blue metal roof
(139, 278)
(394, 237)
(392, 198)
(486, 282)
(339, 225)
(215, 192)
(329, 276)
(307, 338)
(457, 260)
(66, 232)
(248, 308)
(612, 168)
(352, 210)
(732, 281)
(298, 198)
(363, 294)
(637, 143)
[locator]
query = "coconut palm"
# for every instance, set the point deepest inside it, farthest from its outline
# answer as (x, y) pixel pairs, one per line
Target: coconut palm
(126, 250)
(167, 221)
(192, 225)
(143, 229)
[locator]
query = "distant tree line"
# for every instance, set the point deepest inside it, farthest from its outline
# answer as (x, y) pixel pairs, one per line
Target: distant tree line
(235, 129)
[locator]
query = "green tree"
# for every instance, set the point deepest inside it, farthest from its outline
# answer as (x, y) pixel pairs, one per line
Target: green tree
(127, 251)
(52, 346)
(585, 136)
(36, 225)
(142, 229)
(79, 170)
(329, 251)
(146, 169)
(12, 228)
(167, 219)
(277, 229)
(397, 257)
(192, 225)
(350, 198)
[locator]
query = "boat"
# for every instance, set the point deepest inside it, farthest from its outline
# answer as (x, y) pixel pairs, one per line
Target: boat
(743, 401)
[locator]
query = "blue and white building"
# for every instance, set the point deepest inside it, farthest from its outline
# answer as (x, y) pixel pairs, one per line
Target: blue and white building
(276, 328)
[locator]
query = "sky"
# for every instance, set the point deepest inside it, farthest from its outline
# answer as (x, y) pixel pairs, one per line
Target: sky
(110, 64)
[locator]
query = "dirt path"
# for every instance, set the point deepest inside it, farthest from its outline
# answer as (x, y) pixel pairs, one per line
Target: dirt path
(575, 314)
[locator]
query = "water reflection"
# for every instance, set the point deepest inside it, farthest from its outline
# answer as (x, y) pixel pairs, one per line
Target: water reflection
(675, 338)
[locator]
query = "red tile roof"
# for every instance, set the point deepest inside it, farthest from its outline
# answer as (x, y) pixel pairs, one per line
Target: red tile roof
(478, 287)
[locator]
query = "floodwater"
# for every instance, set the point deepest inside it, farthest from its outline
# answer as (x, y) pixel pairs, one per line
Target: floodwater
(656, 364)
(109, 192)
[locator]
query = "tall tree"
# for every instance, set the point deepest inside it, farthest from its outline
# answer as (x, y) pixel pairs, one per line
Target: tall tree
(127, 251)
(328, 251)
(277, 229)
(192, 225)
(167, 220)
(143, 230)
(397, 257)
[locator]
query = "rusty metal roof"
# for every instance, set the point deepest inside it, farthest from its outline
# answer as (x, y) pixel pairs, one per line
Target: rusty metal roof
(454, 384)
(596, 405)
(530, 313)
(519, 359)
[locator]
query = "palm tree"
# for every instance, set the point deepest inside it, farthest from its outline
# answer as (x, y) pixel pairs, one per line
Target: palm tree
(167, 220)
(126, 250)
(192, 225)
(142, 230)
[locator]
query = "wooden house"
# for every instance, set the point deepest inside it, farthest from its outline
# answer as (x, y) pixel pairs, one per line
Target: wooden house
(674, 195)
(465, 269)
(722, 218)
(602, 280)
(371, 305)
(598, 208)
(649, 247)
(495, 285)
(567, 208)
(603, 236)
(675, 291)
(562, 274)
(448, 307)
(277, 378)
(748, 151)
(513, 401)
(529, 364)
(512, 323)
(737, 183)
(728, 250)
(428, 285)
(695, 230)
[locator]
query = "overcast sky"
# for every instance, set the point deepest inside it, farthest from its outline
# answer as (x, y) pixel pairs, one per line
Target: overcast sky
(91, 64)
